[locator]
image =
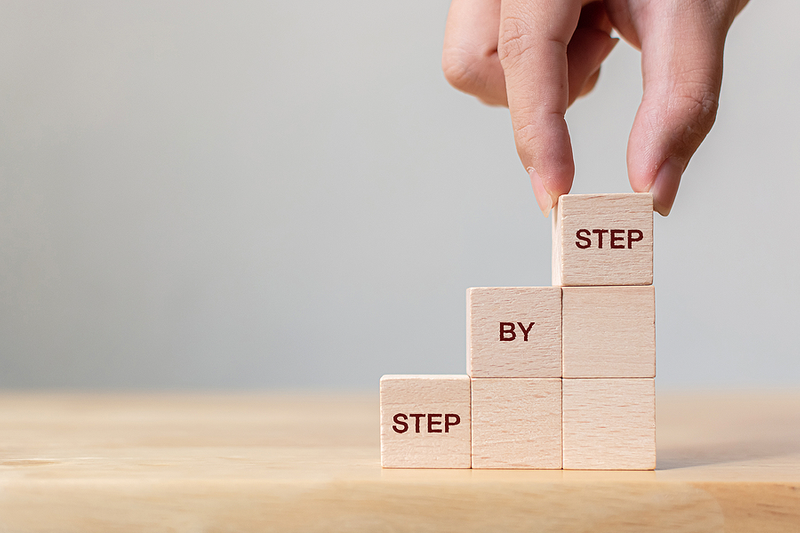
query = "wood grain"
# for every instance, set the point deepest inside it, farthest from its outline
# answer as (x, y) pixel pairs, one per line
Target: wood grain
(609, 424)
(310, 462)
(514, 332)
(603, 239)
(609, 332)
(516, 423)
(425, 421)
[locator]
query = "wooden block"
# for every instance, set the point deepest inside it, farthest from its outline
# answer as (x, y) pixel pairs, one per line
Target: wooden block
(609, 332)
(603, 239)
(609, 424)
(516, 423)
(425, 421)
(514, 332)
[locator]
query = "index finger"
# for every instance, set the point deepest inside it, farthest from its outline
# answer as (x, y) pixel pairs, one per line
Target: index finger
(532, 47)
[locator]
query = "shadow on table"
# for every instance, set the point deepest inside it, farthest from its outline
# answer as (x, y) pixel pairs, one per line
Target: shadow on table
(713, 428)
(669, 458)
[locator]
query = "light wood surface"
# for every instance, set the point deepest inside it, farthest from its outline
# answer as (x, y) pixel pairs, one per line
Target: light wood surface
(609, 424)
(516, 423)
(609, 332)
(310, 463)
(603, 239)
(425, 421)
(514, 332)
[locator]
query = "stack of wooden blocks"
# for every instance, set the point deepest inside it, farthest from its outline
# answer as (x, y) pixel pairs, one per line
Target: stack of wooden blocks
(557, 377)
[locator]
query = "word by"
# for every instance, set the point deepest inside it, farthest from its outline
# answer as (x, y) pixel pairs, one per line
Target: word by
(507, 332)
(434, 419)
(616, 238)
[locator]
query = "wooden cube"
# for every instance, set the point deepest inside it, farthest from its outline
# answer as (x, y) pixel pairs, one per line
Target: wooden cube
(425, 421)
(514, 332)
(603, 239)
(609, 424)
(516, 423)
(609, 332)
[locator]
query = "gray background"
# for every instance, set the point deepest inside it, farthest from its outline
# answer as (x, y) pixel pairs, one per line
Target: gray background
(288, 194)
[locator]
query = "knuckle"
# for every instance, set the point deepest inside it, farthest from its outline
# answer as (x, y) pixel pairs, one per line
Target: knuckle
(539, 130)
(718, 14)
(524, 136)
(514, 40)
(459, 68)
(697, 104)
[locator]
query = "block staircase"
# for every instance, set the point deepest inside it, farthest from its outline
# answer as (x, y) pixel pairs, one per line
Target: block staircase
(557, 377)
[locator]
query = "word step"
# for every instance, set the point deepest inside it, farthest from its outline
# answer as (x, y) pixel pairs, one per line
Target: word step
(603, 239)
(425, 421)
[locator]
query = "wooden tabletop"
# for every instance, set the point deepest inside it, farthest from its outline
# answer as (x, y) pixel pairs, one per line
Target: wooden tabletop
(310, 463)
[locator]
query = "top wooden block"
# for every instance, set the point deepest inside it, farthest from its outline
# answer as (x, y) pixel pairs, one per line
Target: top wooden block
(603, 239)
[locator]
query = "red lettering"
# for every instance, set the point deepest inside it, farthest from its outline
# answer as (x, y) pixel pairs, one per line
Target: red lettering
(416, 419)
(583, 236)
(599, 233)
(451, 419)
(507, 331)
(639, 236)
(431, 423)
(525, 331)
(400, 422)
(615, 239)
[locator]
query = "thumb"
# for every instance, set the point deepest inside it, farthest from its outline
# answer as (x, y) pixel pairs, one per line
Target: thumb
(682, 73)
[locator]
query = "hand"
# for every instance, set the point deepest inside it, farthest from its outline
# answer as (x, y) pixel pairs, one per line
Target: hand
(538, 56)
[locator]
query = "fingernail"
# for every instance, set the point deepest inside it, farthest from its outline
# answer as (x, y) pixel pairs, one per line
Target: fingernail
(542, 196)
(665, 187)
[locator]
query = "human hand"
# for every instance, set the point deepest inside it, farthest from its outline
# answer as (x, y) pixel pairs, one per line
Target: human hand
(538, 56)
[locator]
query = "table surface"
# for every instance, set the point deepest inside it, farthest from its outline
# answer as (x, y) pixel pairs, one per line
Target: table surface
(310, 462)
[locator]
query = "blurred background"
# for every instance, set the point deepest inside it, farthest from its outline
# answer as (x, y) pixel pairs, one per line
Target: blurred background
(264, 195)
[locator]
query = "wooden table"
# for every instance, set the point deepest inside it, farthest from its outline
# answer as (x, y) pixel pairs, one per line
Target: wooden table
(310, 463)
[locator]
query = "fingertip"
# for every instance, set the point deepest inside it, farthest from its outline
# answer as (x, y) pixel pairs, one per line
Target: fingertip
(546, 153)
(543, 197)
(665, 185)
